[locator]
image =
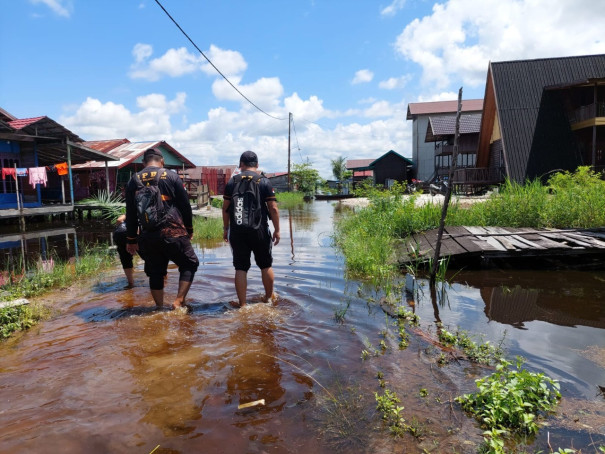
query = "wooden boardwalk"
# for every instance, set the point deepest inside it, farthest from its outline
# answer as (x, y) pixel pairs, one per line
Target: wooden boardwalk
(464, 243)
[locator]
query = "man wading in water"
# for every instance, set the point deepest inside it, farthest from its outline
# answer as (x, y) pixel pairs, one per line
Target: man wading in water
(166, 224)
(249, 201)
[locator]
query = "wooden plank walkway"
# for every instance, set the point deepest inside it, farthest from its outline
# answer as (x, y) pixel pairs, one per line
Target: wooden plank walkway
(500, 242)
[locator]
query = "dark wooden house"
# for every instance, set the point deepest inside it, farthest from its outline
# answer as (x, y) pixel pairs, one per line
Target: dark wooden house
(540, 116)
(391, 167)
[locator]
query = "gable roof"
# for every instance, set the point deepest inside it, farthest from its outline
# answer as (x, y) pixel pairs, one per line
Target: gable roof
(518, 92)
(440, 107)
(360, 164)
(443, 127)
(105, 145)
(388, 153)
(128, 153)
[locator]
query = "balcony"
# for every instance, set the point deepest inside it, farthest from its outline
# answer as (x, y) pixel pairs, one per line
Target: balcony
(586, 113)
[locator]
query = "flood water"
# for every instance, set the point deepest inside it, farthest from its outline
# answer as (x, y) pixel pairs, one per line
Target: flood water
(107, 374)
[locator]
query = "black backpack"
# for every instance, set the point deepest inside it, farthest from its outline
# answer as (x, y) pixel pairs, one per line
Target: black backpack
(246, 210)
(151, 210)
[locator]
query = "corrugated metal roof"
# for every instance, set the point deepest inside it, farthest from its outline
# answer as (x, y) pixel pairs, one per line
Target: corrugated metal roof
(105, 145)
(435, 107)
(390, 152)
(536, 134)
(442, 127)
(358, 163)
(129, 152)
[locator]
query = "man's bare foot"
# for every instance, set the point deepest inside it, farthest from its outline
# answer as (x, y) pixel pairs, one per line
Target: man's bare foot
(236, 304)
(272, 299)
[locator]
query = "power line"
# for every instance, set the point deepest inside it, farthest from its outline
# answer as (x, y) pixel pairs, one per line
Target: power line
(296, 137)
(212, 64)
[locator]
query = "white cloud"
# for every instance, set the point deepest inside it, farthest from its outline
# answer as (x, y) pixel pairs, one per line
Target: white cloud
(94, 120)
(443, 96)
(460, 37)
(395, 82)
(362, 76)
(60, 7)
(231, 63)
(393, 8)
(174, 63)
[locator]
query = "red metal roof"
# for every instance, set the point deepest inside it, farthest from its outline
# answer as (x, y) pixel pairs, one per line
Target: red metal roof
(105, 145)
(23, 122)
(424, 108)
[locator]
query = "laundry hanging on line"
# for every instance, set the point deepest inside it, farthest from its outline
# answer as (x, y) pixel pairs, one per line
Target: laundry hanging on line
(37, 175)
(9, 171)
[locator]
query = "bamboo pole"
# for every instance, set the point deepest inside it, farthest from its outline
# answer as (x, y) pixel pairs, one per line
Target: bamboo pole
(448, 192)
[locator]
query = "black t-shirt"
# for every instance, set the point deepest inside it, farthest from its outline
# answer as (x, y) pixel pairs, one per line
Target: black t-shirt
(266, 191)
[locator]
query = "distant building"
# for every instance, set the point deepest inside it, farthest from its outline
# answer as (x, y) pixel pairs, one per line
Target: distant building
(279, 181)
(421, 113)
(385, 170)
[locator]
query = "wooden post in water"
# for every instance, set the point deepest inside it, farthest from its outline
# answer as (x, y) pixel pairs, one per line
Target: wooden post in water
(448, 193)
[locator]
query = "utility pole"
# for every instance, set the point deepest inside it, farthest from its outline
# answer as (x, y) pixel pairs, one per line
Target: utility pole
(289, 178)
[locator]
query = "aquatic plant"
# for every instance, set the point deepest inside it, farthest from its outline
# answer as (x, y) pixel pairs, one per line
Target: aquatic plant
(482, 353)
(510, 402)
(17, 318)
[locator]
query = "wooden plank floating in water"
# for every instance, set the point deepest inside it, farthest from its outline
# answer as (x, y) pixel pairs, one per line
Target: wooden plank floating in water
(499, 242)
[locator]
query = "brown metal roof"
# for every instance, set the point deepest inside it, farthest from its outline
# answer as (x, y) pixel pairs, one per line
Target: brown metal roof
(105, 145)
(358, 163)
(129, 152)
(435, 107)
(443, 127)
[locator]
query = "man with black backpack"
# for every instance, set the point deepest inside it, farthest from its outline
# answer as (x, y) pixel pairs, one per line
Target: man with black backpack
(249, 202)
(157, 204)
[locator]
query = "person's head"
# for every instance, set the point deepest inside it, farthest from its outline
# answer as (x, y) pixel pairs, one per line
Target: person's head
(248, 160)
(153, 156)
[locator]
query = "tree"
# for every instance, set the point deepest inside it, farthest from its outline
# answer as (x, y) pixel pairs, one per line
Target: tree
(305, 177)
(339, 170)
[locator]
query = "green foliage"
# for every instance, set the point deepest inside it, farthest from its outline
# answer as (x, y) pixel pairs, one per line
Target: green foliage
(16, 318)
(111, 204)
(64, 273)
(305, 178)
(207, 229)
(483, 353)
(510, 402)
(339, 167)
(216, 202)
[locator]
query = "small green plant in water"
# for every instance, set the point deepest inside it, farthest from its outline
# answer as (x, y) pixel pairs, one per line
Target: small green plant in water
(484, 353)
(510, 402)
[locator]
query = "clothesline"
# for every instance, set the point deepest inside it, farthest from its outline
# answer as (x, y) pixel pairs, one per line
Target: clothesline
(37, 175)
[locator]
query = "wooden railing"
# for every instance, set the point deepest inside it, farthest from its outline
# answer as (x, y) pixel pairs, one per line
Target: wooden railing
(587, 112)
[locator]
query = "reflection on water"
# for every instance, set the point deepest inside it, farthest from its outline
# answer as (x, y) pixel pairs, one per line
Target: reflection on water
(111, 374)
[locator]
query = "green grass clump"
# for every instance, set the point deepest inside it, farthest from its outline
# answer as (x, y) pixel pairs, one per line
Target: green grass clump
(17, 318)
(207, 229)
(510, 402)
(289, 199)
(64, 273)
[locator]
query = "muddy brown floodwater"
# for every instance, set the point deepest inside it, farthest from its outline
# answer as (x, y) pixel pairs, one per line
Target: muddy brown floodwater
(107, 374)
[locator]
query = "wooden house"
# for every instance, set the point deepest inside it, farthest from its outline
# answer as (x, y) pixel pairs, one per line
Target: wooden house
(129, 159)
(43, 144)
(216, 177)
(441, 131)
(540, 116)
(279, 181)
(422, 114)
(385, 170)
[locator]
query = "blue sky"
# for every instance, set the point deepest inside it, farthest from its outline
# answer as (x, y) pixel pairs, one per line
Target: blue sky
(345, 69)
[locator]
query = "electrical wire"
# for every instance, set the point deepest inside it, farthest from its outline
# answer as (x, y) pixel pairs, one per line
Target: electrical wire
(212, 64)
(296, 137)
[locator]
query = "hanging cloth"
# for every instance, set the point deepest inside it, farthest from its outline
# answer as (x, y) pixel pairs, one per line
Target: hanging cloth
(21, 172)
(8, 171)
(61, 168)
(37, 175)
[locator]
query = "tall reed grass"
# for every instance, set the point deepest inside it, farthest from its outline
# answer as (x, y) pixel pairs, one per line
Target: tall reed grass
(207, 229)
(289, 199)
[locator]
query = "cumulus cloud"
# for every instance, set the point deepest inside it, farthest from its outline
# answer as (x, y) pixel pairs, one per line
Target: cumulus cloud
(393, 8)
(460, 37)
(230, 62)
(362, 76)
(59, 7)
(395, 82)
(174, 63)
(95, 120)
